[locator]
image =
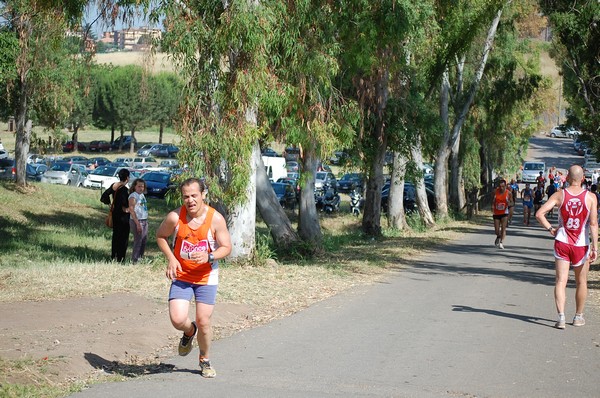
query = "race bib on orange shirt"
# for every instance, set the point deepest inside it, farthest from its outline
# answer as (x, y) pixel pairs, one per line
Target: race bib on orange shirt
(500, 206)
(188, 247)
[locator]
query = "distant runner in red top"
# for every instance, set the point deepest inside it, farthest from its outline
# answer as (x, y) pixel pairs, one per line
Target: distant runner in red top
(578, 210)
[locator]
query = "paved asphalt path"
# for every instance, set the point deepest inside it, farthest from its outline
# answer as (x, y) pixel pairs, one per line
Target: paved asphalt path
(465, 320)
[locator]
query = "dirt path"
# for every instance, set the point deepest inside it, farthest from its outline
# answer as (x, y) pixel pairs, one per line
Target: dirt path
(74, 338)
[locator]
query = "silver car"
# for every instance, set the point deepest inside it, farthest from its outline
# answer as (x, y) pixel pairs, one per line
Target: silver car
(531, 171)
(65, 174)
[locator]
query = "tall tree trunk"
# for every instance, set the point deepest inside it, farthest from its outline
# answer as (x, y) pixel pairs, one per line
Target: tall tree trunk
(161, 129)
(309, 228)
(242, 218)
(422, 202)
(456, 183)
(271, 211)
(23, 124)
(371, 223)
(395, 213)
(132, 144)
(75, 137)
(443, 153)
(112, 134)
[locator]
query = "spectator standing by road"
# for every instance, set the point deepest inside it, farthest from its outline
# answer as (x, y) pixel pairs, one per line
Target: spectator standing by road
(138, 222)
(500, 208)
(578, 216)
(120, 215)
(201, 239)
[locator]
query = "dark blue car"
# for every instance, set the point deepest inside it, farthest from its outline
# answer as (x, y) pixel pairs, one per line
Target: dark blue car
(285, 194)
(158, 183)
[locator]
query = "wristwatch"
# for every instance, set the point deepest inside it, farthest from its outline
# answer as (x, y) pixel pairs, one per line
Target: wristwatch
(211, 258)
(550, 228)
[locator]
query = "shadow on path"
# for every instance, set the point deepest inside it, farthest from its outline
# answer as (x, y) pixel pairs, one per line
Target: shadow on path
(524, 318)
(131, 370)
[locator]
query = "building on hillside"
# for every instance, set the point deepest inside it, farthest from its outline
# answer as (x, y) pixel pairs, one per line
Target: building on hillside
(136, 39)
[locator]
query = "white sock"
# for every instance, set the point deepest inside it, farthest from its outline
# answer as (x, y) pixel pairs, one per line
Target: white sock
(561, 316)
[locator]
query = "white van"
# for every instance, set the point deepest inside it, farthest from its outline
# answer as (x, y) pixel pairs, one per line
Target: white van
(531, 171)
(275, 167)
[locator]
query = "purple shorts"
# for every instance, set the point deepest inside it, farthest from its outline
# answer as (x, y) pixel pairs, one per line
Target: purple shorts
(205, 294)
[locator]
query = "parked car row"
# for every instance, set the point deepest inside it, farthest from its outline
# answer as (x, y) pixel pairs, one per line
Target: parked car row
(124, 142)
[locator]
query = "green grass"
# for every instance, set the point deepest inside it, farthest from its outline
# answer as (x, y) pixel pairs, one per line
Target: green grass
(53, 233)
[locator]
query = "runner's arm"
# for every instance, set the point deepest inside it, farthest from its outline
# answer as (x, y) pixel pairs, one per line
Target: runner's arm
(593, 226)
(540, 215)
(164, 231)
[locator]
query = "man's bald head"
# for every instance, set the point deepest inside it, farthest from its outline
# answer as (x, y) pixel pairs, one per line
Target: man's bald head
(575, 174)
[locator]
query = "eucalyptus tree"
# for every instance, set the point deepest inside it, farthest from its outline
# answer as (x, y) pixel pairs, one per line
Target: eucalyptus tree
(39, 28)
(223, 52)
(376, 38)
(313, 114)
(465, 28)
(576, 34)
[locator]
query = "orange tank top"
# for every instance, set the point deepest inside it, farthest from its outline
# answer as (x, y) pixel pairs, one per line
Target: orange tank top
(501, 202)
(188, 240)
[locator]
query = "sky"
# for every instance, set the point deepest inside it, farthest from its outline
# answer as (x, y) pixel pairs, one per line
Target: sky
(100, 26)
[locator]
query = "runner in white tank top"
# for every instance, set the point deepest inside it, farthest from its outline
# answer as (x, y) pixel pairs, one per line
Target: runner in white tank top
(578, 216)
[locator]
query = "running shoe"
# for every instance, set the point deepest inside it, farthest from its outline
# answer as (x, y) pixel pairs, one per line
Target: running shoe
(560, 324)
(497, 241)
(500, 245)
(206, 370)
(187, 342)
(578, 321)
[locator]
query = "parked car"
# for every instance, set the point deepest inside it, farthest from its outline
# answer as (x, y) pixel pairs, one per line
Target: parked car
(409, 197)
(531, 171)
(559, 131)
(291, 154)
(325, 178)
(269, 152)
(102, 177)
(127, 161)
(97, 162)
(35, 171)
(589, 167)
(144, 161)
(35, 158)
(285, 194)
(147, 149)
(338, 158)
(3, 153)
(99, 146)
(292, 167)
(69, 146)
(126, 140)
(7, 169)
(158, 183)
(169, 164)
(65, 174)
(349, 182)
(165, 151)
(293, 182)
(75, 160)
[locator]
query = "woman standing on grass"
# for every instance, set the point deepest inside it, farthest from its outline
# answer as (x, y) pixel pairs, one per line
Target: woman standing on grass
(138, 222)
(120, 215)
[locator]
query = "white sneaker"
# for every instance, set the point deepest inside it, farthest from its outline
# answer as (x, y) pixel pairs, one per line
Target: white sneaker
(500, 245)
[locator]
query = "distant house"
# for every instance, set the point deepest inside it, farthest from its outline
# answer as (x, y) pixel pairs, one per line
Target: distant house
(136, 39)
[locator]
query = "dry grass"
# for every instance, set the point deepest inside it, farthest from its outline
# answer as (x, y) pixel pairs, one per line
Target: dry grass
(159, 62)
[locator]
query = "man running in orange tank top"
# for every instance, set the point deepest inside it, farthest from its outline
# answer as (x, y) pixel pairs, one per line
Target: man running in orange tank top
(501, 208)
(201, 239)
